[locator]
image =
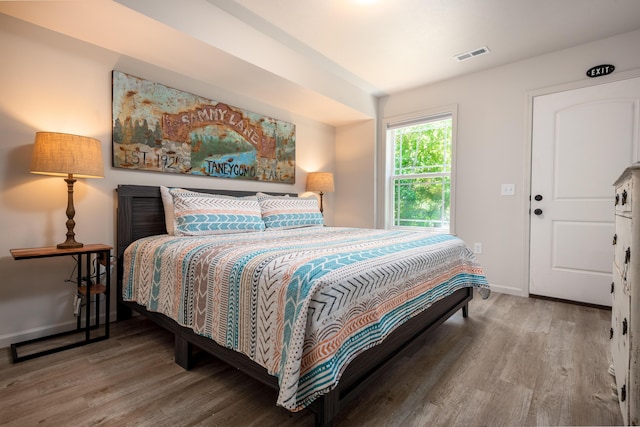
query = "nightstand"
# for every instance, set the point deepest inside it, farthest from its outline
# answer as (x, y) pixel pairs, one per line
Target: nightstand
(84, 257)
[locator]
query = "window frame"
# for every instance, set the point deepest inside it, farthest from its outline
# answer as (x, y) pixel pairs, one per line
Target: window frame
(409, 120)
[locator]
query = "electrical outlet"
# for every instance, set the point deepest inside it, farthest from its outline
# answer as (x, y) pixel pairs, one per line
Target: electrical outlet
(508, 189)
(477, 248)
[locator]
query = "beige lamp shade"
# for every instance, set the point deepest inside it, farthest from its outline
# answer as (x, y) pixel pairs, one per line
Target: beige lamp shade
(61, 154)
(321, 182)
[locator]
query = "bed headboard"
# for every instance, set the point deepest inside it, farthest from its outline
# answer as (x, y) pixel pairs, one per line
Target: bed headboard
(141, 214)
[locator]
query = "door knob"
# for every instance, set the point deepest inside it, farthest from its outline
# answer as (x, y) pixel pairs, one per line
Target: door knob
(538, 197)
(538, 212)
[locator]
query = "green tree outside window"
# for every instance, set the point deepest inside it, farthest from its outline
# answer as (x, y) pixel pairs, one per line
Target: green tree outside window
(421, 179)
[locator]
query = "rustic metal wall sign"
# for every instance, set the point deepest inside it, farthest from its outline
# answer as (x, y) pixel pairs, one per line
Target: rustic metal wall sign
(600, 70)
(158, 128)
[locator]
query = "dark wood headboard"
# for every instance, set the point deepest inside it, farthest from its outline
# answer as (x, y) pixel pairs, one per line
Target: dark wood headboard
(141, 213)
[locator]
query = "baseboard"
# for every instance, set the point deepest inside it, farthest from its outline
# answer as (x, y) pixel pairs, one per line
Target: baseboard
(508, 290)
(43, 331)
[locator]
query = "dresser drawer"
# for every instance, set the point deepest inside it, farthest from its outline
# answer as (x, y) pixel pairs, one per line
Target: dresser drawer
(622, 243)
(623, 196)
(620, 341)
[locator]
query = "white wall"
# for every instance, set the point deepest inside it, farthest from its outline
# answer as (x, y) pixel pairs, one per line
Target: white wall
(49, 82)
(355, 175)
(493, 144)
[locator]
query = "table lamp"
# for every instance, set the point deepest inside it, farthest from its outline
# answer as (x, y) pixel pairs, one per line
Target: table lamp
(322, 182)
(72, 156)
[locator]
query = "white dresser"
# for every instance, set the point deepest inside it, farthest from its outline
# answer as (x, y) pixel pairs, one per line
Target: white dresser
(625, 289)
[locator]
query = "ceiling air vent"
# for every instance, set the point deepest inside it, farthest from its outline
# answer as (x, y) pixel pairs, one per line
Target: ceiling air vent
(472, 54)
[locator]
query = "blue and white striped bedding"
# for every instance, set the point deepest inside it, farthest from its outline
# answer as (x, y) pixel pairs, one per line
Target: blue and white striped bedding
(301, 302)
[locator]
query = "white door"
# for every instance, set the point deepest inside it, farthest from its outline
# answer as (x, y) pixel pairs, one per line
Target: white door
(582, 140)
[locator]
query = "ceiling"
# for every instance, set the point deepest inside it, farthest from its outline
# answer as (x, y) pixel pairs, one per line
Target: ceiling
(388, 46)
(328, 59)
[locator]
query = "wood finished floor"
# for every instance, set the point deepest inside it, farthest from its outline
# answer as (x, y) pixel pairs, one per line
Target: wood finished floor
(514, 361)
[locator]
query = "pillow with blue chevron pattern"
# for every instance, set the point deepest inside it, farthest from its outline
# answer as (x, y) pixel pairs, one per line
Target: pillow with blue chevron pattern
(167, 203)
(281, 212)
(200, 214)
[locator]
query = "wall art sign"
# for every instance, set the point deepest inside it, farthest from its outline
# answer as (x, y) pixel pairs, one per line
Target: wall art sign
(161, 129)
(600, 70)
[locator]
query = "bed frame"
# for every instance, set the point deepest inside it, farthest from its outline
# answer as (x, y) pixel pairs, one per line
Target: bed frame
(140, 213)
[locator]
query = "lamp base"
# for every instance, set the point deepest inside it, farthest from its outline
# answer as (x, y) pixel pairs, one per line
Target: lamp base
(69, 244)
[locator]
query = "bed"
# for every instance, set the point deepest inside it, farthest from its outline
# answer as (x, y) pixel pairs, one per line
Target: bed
(274, 303)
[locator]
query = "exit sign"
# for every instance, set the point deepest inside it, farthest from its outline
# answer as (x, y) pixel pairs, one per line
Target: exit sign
(600, 70)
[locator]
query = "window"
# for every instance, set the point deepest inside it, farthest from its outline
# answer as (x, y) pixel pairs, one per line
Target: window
(420, 187)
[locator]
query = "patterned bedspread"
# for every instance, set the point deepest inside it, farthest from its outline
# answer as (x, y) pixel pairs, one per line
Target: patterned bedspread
(302, 303)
